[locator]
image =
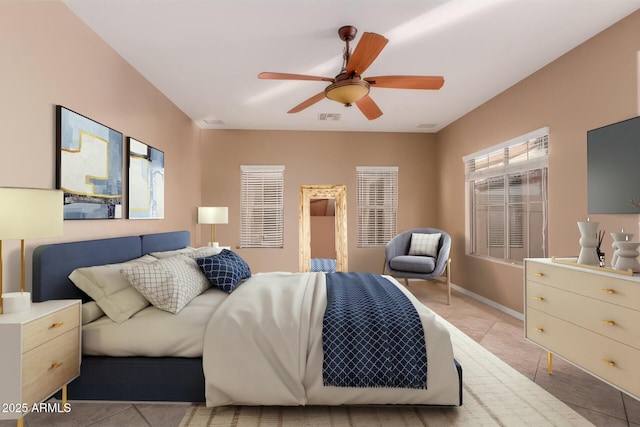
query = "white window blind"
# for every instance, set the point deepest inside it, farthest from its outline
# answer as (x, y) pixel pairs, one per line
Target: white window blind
(262, 207)
(508, 198)
(377, 204)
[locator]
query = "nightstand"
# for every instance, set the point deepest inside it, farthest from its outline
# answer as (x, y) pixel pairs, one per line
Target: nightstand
(40, 355)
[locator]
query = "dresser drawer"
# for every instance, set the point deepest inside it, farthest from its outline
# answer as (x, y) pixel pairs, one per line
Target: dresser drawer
(50, 326)
(609, 320)
(47, 367)
(610, 360)
(594, 284)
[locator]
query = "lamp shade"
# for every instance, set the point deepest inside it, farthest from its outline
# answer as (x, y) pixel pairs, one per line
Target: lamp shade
(347, 92)
(30, 213)
(213, 215)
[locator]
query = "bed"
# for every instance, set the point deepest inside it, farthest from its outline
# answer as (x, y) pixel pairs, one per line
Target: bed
(126, 375)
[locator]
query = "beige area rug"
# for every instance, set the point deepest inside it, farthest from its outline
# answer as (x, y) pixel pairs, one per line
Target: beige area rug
(494, 394)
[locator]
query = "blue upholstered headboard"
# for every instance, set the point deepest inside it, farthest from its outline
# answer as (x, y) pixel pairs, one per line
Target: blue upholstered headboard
(52, 264)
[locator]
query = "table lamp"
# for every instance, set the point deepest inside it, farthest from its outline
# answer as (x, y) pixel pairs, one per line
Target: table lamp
(213, 216)
(27, 213)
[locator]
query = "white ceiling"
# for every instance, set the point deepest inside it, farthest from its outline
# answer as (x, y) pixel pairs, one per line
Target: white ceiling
(205, 55)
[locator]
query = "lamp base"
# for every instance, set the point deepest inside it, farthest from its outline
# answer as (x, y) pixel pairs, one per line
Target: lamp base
(213, 244)
(14, 302)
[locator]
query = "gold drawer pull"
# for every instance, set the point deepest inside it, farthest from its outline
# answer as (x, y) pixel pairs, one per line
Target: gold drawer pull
(57, 325)
(539, 329)
(55, 365)
(609, 362)
(537, 273)
(538, 298)
(609, 322)
(608, 291)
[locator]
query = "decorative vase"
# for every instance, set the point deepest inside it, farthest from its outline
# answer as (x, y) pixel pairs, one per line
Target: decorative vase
(628, 256)
(618, 237)
(588, 242)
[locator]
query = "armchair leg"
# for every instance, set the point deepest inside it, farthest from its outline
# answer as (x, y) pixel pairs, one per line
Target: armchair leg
(406, 282)
(449, 281)
(384, 266)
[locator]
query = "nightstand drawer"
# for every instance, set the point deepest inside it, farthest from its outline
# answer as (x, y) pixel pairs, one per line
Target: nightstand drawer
(47, 367)
(50, 326)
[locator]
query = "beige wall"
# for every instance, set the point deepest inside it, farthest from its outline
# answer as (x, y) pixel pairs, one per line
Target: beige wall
(50, 57)
(591, 86)
(323, 236)
(317, 158)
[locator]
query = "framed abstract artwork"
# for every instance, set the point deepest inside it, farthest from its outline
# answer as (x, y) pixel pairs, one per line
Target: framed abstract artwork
(146, 181)
(89, 167)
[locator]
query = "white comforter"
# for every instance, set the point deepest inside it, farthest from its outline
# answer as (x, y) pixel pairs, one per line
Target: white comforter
(263, 346)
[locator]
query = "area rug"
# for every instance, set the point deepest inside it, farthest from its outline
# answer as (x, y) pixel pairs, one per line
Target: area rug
(494, 394)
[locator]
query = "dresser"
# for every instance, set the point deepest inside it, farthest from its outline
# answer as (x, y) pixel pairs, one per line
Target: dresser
(40, 354)
(588, 317)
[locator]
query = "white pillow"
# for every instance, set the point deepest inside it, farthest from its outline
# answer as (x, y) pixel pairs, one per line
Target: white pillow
(168, 283)
(112, 292)
(167, 254)
(90, 312)
(425, 244)
(189, 251)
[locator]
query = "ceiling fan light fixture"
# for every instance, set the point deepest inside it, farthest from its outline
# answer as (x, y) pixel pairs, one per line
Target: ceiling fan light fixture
(347, 92)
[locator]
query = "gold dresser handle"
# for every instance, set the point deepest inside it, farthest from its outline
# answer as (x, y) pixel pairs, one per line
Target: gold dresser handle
(57, 325)
(539, 329)
(609, 362)
(538, 298)
(537, 273)
(608, 291)
(609, 322)
(55, 365)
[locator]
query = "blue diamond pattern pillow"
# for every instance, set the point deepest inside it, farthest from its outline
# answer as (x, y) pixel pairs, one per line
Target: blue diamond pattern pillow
(225, 270)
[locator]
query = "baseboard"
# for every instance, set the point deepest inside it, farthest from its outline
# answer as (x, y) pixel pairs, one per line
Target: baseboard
(484, 300)
(489, 302)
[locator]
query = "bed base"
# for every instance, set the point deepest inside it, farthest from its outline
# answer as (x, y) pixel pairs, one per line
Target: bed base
(138, 379)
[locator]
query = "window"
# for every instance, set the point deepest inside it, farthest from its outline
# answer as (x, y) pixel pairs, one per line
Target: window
(507, 198)
(262, 207)
(377, 204)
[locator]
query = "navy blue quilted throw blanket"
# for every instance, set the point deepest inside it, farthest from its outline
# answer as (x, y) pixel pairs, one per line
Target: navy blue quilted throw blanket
(372, 335)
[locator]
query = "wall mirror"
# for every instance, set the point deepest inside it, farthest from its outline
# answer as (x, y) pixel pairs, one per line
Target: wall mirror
(329, 199)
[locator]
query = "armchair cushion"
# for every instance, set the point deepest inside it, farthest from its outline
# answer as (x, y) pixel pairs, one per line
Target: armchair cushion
(425, 244)
(413, 264)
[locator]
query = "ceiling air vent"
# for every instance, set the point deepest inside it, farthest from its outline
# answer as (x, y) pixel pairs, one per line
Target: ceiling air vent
(329, 117)
(426, 126)
(213, 121)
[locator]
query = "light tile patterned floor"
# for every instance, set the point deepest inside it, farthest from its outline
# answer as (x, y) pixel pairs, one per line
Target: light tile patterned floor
(499, 333)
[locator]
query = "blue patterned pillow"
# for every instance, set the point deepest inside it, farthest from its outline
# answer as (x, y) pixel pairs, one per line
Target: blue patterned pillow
(225, 270)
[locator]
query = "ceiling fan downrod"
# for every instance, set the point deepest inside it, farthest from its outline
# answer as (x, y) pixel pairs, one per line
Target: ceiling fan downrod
(346, 34)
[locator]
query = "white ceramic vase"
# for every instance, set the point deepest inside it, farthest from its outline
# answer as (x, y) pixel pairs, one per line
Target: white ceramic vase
(588, 242)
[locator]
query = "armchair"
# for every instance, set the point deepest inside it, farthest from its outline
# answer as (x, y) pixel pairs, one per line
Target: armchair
(428, 258)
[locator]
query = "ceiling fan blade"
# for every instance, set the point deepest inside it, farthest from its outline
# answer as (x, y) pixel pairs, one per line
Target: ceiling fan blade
(308, 103)
(369, 108)
(287, 76)
(407, 82)
(367, 50)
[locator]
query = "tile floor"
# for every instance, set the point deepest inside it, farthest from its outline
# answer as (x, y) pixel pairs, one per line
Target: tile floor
(498, 332)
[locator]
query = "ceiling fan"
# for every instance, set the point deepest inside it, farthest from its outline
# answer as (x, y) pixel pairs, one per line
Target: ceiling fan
(349, 87)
